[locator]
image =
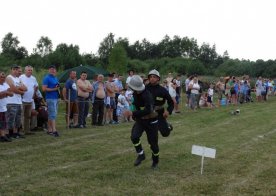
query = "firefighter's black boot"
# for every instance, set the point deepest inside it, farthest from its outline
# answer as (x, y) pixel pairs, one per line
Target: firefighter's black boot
(139, 159)
(155, 161)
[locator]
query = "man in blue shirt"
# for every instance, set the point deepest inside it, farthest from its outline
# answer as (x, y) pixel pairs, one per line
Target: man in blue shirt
(70, 97)
(50, 86)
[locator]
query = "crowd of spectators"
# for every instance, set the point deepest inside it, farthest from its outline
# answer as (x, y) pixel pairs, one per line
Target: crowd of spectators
(23, 108)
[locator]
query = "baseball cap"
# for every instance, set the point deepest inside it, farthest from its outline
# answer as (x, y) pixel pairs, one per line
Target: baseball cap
(52, 66)
(14, 66)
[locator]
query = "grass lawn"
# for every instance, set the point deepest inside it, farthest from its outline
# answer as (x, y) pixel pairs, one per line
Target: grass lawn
(99, 160)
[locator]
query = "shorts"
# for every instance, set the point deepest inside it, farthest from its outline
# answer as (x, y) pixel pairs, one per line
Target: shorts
(3, 120)
(233, 92)
(120, 111)
(110, 103)
(52, 105)
(14, 115)
(258, 92)
(220, 93)
(177, 98)
(209, 99)
(74, 108)
(227, 92)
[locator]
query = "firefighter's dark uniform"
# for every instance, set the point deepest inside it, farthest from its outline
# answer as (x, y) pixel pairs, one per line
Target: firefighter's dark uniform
(145, 120)
(160, 96)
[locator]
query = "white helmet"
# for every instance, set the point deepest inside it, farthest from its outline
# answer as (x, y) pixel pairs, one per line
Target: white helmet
(154, 72)
(136, 83)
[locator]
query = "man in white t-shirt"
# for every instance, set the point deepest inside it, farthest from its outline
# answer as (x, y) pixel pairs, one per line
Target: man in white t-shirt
(4, 93)
(15, 102)
(27, 99)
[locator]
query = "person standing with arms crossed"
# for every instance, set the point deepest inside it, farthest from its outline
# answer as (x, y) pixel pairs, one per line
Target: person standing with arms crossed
(84, 88)
(28, 97)
(110, 99)
(14, 103)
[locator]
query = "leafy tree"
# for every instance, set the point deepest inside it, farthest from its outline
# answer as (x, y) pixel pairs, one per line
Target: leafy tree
(235, 67)
(207, 55)
(166, 47)
(136, 50)
(10, 48)
(196, 67)
(138, 66)
(118, 59)
(65, 56)
(35, 60)
(105, 48)
(9, 43)
(225, 55)
(189, 48)
(124, 42)
(259, 67)
(90, 59)
(270, 69)
(44, 46)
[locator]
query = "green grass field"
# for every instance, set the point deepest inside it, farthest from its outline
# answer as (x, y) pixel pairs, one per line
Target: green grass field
(99, 161)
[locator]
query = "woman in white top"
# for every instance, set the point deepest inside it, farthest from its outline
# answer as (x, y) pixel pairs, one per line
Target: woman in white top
(172, 91)
(194, 86)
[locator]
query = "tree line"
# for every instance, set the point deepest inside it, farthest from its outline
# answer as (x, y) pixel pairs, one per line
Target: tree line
(172, 54)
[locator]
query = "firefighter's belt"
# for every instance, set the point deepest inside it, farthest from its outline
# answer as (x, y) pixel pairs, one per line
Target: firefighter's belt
(158, 107)
(150, 116)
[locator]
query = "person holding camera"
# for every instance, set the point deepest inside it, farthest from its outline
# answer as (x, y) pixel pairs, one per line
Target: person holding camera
(50, 86)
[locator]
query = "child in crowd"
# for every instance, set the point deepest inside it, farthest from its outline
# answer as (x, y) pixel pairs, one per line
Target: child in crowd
(203, 100)
(123, 110)
(210, 95)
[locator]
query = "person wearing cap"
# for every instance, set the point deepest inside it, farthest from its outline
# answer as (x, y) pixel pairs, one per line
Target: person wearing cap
(145, 120)
(50, 86)
(160, 96)
(14, 106)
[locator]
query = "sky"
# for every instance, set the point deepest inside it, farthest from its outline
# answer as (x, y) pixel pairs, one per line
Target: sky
(245, 28)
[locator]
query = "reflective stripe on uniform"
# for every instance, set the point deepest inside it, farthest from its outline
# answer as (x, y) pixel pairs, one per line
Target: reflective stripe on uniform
(156, 121)
(159, 98)
(137, 143)
(157, 154)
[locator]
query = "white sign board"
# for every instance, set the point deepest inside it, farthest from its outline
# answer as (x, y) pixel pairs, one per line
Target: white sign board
(203, 152)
